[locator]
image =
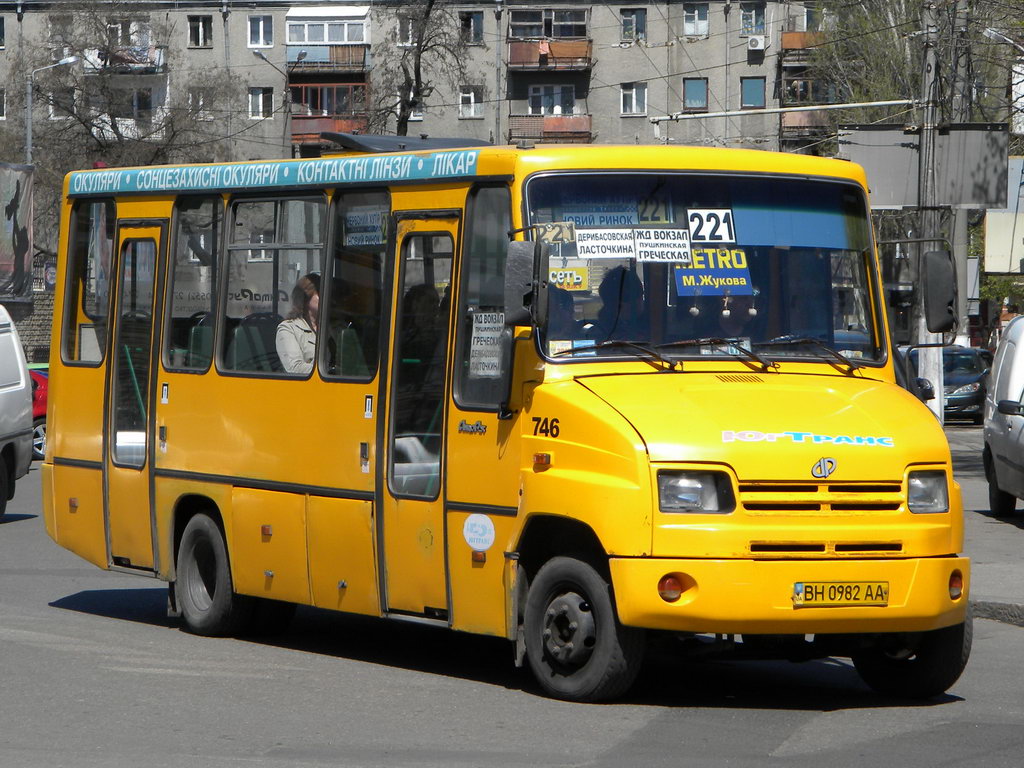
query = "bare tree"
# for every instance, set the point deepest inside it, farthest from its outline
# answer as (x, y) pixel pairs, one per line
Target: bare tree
(424, 50)
(127, 100)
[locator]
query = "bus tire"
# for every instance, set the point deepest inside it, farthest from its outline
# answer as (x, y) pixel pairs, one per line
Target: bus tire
(923, 669)
(203, 588)
(575, 645)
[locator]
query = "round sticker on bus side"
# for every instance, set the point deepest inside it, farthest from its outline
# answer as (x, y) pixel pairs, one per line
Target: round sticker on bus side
(478, 532)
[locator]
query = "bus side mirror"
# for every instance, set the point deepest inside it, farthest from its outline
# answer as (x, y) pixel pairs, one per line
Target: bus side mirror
(939, 291)
(519, 282)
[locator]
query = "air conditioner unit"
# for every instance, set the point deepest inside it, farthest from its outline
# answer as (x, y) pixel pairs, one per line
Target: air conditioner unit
(757, 43)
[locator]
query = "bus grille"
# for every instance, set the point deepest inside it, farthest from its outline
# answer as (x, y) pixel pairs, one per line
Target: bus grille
(790, 498)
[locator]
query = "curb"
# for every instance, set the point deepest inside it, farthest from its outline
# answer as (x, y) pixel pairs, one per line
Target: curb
(1007, 613)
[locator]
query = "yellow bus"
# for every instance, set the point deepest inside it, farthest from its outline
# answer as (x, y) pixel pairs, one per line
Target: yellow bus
(574, 396)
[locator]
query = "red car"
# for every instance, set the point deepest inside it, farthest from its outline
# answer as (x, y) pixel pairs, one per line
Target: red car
(40, 380)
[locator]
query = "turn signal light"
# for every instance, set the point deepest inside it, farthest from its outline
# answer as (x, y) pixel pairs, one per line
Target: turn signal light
(542, 459)
(956, 585)
(670, 588)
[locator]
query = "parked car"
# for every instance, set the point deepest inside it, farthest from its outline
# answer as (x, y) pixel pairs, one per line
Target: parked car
(1004, 422)
(15, 410)
(964, 370)
(40, 380)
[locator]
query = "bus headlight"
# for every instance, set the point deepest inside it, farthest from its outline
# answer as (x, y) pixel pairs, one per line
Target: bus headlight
(700, 492)
(926, 492)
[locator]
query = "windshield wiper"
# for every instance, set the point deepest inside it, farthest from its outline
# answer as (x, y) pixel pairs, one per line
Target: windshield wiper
(730, 347)
(640, 346)
(792, 341)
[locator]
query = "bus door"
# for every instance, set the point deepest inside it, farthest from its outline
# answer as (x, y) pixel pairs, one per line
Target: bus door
(129, 397)
(412, 512)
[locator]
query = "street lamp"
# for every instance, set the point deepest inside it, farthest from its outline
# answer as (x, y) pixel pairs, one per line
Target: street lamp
(286, 104)
(28, 102)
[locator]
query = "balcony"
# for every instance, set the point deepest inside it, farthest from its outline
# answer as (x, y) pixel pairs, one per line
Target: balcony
(804, 123)
(570, 129)
(329, 58)
(307, 130)
(550, 55)
(143, 60)
(799, 40)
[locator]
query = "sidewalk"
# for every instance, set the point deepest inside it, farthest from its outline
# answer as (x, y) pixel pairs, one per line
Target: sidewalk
(995, 546)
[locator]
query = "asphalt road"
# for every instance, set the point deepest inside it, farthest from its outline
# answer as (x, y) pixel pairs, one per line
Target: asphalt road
(92, 673)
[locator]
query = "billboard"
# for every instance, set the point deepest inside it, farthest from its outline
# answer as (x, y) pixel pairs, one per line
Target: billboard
(1004, 228)
(970, 163)
(16, 236)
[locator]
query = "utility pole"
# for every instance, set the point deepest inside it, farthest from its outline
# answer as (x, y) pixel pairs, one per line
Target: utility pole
(929, 358)
(961, 113)
(498, 44)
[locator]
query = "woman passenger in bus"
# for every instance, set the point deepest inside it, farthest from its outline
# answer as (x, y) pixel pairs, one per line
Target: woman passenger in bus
(296, 336)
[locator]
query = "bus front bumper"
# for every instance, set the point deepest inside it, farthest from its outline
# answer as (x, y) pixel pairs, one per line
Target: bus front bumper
(758, 596)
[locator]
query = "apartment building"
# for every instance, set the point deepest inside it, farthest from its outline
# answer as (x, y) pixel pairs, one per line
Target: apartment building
(272, 76)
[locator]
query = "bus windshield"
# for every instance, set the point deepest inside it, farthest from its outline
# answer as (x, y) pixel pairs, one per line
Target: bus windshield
(705, 265)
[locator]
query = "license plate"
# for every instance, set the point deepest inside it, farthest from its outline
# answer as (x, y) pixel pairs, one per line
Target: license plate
(828, 594)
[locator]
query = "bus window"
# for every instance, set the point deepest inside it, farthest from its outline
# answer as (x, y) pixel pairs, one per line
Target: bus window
(196, 254)
(477, 385)
(420, 345)
(351, 318)
(89, 258)
(274, 244)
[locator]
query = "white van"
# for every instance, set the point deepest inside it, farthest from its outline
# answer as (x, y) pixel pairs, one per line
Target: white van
(1004, 422)
(15, 410)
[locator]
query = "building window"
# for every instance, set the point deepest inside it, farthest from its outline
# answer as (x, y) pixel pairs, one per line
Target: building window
(552, 100)
(471, 101)
(695, 94)
(406, 31)
(131, 104)
(199, 102)
(634, 98)
(812, 17)
(695, 19)
(3, 37)
(261, 102)
(752, 92)
(328, 100)
(62, 103)
(800, 87)
(3, 103)
(128, 33)
(200, 31)
(634, 23)
(417, 109)
(261, 31)
(332, 32)
(548, 23)
(471, 24)
(752, 19)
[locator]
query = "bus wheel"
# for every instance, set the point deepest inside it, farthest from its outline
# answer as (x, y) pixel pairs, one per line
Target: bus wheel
(921, 669)
(203, 588)
(575, 645)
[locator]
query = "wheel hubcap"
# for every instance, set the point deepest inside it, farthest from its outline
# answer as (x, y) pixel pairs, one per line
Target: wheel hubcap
(570, 631)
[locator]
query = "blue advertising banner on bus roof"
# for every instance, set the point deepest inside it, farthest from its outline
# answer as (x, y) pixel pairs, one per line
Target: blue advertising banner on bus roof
(275, 174)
